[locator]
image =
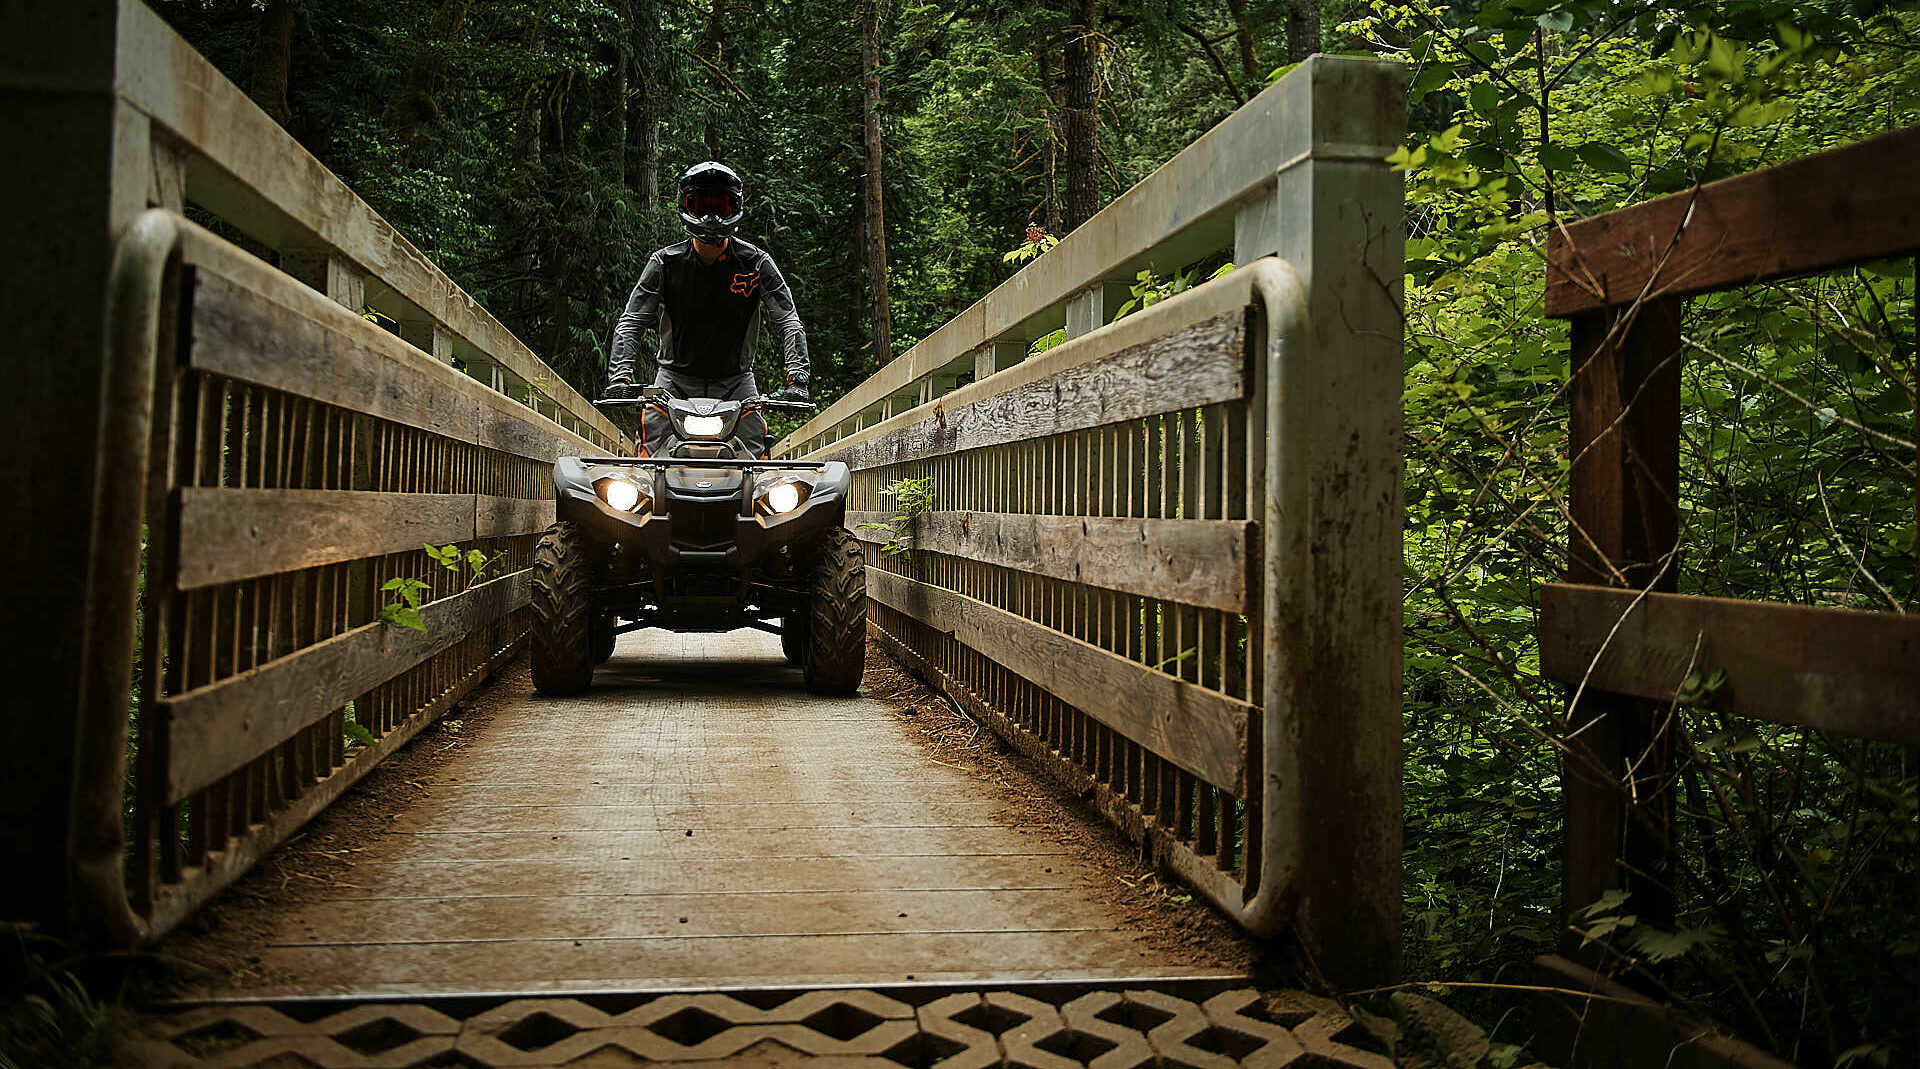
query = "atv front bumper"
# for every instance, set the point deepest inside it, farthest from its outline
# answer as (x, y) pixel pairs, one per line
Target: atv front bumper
(724, 526)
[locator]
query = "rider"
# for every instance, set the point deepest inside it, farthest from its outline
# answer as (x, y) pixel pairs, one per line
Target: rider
(706, 295)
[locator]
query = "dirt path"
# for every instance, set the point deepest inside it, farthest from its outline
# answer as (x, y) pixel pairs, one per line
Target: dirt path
(697, 821)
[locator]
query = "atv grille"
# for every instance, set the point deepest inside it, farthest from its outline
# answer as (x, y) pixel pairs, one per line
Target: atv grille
(704, 528)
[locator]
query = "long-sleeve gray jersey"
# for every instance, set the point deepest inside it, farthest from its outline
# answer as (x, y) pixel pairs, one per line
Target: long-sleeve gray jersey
(708, 314)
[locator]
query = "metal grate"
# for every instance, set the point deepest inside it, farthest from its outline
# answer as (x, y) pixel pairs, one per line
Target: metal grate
(884, 1029)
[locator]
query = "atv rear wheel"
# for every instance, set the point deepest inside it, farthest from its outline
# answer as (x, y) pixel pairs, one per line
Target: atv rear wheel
(793, 636)
(836, 647)
(562, 613)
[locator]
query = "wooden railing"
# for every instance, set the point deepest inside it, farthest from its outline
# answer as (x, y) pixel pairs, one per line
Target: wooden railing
(1616, 632)
(264, 460)
(1163, 558)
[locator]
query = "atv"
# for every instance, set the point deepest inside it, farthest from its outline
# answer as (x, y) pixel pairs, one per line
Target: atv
(700, 537)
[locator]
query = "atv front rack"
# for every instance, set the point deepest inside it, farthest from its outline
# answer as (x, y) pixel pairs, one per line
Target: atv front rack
(706, 462)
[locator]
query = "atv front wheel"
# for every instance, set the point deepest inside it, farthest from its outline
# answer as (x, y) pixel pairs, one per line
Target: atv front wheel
(836, 647)
(793, 637)
(562, 613)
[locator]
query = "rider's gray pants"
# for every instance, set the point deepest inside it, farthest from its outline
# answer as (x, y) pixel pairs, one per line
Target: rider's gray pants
(654, 423)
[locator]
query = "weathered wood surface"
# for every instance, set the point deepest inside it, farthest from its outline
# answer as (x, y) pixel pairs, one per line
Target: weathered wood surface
(1623, 440)
(317, 352)
(229, 533)
(1193, 562)
(1842, 670)
(1853, 203)
(242, 167)
(606, 841)
(1202, 731)
(1196, 365)
(495, 516)
(217, 728)
(174, 902)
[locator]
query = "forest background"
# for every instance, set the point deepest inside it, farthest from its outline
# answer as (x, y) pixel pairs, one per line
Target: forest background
(897, 153)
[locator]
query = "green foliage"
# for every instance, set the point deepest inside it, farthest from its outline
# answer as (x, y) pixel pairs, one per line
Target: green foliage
(474, 563)
(1797, 431)
(913, 498)
(1038, 241)
(402, 607)
(354, 732)
(48, 1018)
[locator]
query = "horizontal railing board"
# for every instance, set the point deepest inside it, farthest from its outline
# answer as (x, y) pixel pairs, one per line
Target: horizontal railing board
(1202, 731)
(1202, 364)
(220, 727)
(1330, 108)
(1844, 670)
(314, 353)
(1238, 289)
(228, 533)
(244, 168)
(1843, 206)
(232, 859)
(502, 517)
(1192, 562)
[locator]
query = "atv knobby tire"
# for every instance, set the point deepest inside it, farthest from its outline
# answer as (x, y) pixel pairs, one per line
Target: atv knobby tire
(836, 648)
(793, 636)
(562, 613)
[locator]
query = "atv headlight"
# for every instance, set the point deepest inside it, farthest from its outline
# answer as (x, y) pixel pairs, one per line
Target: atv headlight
(621, 494)
(783, 497)
(703, 426)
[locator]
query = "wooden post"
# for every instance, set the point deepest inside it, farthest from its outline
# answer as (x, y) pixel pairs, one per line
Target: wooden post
(332, 275)
(1330, 809)
(1624, 437)
(997, 356)
(89, 172)
(1086, 311)
(428, 336)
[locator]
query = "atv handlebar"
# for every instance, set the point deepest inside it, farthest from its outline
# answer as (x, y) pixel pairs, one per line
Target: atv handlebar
(751, 402)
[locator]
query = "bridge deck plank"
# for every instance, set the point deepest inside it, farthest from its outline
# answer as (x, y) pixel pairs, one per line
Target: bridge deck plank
(552, 852)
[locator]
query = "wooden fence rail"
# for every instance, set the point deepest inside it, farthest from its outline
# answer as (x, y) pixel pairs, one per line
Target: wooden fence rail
(1163, 557)
(252, 455)
(1616, 632)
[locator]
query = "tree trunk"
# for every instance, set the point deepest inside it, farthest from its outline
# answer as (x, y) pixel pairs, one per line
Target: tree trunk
(1303, 29)
(716, 45)
(419, 103)
(1082, 143)
(1243, 34)
(621, 76)
(643, 172)
(533, 105)
(876, 214)
(1050, 88)
(272, 60)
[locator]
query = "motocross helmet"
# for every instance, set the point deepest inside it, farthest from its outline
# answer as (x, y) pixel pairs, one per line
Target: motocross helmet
(712, 200)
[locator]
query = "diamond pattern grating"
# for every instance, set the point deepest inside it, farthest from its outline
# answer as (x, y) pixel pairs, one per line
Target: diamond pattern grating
(1108, 1029)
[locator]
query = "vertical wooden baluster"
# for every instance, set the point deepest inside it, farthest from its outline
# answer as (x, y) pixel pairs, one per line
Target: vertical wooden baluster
(1229, 819)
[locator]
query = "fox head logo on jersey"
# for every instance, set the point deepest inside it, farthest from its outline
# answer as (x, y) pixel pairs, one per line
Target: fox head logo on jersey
(746, 284)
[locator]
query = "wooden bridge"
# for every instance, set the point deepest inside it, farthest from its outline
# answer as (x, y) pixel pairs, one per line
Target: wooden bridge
(1162, 564)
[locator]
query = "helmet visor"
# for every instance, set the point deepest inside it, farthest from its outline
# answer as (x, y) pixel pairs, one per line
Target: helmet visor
(698, 202)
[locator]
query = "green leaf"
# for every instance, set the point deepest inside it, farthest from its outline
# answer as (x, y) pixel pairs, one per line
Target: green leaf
(1485, 97)
(1665, 946)
(1559, 158)
(403, 616)
(1605, 158)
